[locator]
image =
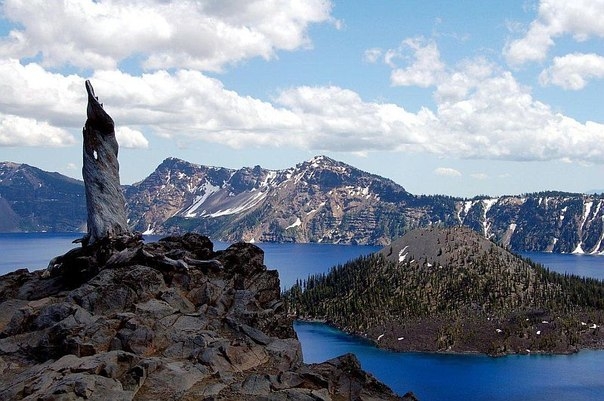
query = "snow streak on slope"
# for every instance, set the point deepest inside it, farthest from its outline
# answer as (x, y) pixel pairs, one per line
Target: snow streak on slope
(249, 202)
(207, 189)
(586, 209)
(487, 205)
(596, 249)
(296, 223)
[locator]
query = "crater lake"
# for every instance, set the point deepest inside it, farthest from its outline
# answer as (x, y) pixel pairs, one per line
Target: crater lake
(430, 376)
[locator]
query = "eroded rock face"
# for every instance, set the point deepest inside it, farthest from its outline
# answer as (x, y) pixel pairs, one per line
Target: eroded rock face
(125, 320)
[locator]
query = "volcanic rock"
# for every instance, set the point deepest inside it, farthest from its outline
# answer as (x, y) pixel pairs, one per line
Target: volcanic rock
(125, 320)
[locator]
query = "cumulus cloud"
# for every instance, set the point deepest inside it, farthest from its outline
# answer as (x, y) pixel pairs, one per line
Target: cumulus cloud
(481, 110)
(573, 71)
(426, 67)
(31, 91)
(43, 105)
(204, 35)
(131, 138)
(333, 118)
(579, 18)
(190, 104)
(18, 131)
(447, 172)
(186, 38)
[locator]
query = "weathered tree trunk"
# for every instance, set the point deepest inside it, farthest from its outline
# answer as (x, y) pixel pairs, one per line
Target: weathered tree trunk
(105, 200)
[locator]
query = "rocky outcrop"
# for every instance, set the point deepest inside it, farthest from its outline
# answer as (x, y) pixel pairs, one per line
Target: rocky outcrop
(126, 320)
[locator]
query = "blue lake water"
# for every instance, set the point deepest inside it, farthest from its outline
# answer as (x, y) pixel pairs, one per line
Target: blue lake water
(293, 261)
(581, 265)
(430, 376)
(578, 377)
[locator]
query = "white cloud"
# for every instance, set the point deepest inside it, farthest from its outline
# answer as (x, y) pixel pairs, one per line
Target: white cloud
(458, 84)
(204, 35)
(190, 105)
(333, 118)
(372, 55)
(447, 172)
(482, 112)
(579, 18)
(18, 131)
(573, 70)
(30, 91)
(130, 138)
(426, 67)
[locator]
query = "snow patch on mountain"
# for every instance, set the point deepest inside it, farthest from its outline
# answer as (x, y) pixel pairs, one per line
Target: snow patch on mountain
(149, 230)
(295, 224)
(563, 213)
(487, 205)
(578, 250)
(207, 189)
(586, 210)
(250, 202)
(402, 254)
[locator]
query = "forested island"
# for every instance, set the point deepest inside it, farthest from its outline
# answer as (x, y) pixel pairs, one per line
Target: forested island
(451, 290)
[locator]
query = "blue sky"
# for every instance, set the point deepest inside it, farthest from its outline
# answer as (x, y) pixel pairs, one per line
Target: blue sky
(444, 97)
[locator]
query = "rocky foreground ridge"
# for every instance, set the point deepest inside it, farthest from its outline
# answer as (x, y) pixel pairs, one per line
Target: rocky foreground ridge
(127, 320)
(320, 200)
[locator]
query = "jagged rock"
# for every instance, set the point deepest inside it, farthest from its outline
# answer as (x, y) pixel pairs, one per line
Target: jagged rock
(142, 329)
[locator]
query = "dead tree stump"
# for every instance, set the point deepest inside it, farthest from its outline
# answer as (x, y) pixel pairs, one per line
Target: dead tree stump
(105, 200)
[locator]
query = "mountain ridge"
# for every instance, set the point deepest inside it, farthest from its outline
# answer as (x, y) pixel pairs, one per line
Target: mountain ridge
(319, 200)
(32, 199)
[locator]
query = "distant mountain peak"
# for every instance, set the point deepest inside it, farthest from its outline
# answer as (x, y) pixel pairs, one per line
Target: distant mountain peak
(11, 165)
(319, 200)
(172, 162)
(322, 159)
